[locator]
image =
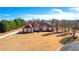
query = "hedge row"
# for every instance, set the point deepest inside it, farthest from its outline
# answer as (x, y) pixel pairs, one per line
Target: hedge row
(7, 25)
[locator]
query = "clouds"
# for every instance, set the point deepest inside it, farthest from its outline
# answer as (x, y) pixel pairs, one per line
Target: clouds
(57, 10)
(37, 16)
(56, 13)
(45, 13)
(4, 15)
(74, 9)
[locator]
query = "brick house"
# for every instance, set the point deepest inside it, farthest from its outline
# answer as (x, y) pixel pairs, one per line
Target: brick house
(37, 27)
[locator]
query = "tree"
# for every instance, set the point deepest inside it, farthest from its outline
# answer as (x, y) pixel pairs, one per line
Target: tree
(4, 26)
(64, 25)
(69, 25)
(56, 25)
(53, 23)
(7, 25)
(74, 28)
(19, 22)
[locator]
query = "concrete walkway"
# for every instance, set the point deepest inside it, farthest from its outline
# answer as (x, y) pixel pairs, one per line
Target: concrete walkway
(3, 36)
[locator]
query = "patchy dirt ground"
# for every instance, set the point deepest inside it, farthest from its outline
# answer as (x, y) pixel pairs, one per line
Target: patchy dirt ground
(42, 41)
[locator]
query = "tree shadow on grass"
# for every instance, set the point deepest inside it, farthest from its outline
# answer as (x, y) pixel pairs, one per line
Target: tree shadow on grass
(21, 32)
(62, 34)
(67, 40)
(51, 33)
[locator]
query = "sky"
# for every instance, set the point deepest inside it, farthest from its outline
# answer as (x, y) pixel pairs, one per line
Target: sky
(29, 13)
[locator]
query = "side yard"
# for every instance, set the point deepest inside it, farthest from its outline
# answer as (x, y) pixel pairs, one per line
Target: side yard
(42, 41)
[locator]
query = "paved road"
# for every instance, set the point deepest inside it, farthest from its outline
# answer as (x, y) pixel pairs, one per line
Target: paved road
(74, 46)
(9, 34)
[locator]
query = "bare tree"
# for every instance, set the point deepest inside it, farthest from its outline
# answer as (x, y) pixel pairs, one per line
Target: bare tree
(68, 24)
(74, 28)
(64, 25)
(56, 25)
(53, 23)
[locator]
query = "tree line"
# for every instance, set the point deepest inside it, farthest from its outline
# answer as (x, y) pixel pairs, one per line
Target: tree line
(7, 25)
(65, 25)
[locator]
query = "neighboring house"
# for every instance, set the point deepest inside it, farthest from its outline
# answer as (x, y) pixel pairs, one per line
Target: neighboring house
(28, 28)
